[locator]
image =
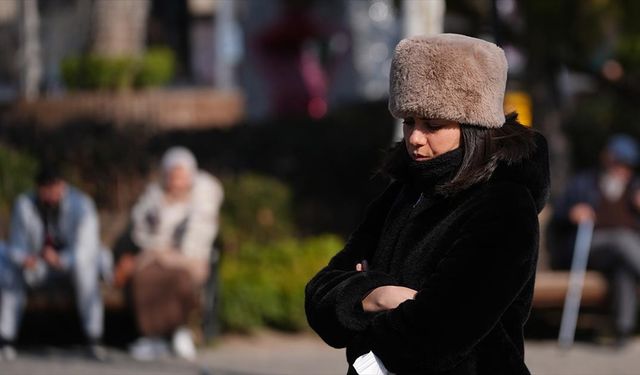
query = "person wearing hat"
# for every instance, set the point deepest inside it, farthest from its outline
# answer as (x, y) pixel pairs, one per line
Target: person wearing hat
(610, 197)
(174, 225)
(438, 278)
(53, 241)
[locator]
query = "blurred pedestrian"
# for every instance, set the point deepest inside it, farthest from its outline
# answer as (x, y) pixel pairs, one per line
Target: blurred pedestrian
(609, 196)
(53, 242)
(438, 278)
(175, 223)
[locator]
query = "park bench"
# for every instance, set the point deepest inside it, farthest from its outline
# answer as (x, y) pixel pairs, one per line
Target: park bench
(205, 325)
(551, 289)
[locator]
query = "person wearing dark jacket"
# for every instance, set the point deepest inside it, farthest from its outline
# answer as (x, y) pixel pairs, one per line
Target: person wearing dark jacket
(438, 278)
(610, 197)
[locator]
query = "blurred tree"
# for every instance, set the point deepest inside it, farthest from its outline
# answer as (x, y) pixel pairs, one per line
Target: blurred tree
(17, 169)
(119, 27)
(600, 40)
(30, 54)
(580, 75)
(546, 40)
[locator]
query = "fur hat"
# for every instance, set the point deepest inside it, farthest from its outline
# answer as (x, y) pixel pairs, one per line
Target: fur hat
(449, 76)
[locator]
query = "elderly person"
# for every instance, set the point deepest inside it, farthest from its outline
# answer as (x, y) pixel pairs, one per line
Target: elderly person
(610, 197)
(53, 239)
(175, 223)
(438, 278)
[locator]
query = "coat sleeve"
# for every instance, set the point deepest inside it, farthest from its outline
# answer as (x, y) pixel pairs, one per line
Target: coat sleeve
(84, 245)
(333, 297)
(581, 189)
(203, 223)
(484, 271)
(18, 247)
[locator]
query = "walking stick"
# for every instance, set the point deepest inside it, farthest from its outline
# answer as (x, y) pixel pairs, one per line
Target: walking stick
(576, 282)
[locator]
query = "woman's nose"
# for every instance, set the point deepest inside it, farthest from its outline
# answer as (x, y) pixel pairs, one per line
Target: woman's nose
(417, 137)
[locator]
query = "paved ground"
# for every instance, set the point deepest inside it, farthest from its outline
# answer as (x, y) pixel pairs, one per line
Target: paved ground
(277, 354)
(545, 358)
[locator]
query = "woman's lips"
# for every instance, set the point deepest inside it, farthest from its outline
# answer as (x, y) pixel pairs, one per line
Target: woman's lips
(418, 157)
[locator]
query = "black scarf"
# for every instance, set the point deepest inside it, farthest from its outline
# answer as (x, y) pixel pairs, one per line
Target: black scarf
(425, 176)
(429, 174)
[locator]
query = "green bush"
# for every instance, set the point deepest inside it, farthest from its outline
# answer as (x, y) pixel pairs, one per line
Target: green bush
(256, 208)
(155, 68)
(17, 171)
(628, 51)
(263, 284)
(95, 72)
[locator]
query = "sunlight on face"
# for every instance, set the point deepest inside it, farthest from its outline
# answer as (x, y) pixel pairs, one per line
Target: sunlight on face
(429, 138)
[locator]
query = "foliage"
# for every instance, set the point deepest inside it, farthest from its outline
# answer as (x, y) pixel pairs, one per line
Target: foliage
(155, 68)
(17, 171)
(257, 208)
(588, 128)
(263, 283)
(96, 72)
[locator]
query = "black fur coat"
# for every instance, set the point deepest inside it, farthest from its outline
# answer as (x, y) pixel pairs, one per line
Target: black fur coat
(472, 258)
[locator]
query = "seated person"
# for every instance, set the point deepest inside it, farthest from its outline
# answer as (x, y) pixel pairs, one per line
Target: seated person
(174, 224)
(53, 240)
(610, 197)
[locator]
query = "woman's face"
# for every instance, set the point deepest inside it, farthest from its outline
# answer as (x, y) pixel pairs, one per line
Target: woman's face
(429, 138)
(178, 181)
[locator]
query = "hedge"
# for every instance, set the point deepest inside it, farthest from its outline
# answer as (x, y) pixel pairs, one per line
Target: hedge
(263, 284)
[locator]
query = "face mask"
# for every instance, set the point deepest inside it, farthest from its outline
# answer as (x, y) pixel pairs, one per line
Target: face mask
(612, 186)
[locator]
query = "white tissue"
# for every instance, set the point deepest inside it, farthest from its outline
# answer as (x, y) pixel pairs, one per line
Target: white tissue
(369, 364)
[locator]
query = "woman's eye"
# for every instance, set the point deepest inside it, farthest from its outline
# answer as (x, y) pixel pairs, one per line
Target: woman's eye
(434, 125)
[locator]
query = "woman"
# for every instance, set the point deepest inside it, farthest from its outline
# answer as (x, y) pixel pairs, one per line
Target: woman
(174, 225)
(438, 278)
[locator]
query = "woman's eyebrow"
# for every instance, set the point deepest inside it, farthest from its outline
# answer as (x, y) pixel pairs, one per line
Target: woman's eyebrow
(435, 123)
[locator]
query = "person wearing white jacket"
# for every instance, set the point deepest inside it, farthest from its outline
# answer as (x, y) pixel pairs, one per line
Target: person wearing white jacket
(174, 224)
(54, 234)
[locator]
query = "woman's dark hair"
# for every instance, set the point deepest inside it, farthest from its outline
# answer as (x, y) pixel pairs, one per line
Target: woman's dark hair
(483, 149)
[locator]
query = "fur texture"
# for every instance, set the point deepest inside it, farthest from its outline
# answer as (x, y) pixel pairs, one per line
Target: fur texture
(449, 76)
(472, 258)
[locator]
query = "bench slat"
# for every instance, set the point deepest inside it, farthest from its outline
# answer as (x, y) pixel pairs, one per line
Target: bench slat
(551, 289)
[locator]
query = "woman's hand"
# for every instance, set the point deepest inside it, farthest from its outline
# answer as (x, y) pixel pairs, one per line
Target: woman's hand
(581, 212)
(386, 297)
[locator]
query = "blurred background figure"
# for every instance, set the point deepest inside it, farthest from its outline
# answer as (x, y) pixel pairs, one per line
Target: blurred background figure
(298, 81)
(53, 244)
(175, 222)
(609, 196)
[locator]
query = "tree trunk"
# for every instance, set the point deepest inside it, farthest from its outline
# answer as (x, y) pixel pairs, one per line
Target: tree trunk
(119, 27)
(30, 54)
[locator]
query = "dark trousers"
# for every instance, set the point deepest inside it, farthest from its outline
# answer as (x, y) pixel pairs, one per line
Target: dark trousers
(616, 253)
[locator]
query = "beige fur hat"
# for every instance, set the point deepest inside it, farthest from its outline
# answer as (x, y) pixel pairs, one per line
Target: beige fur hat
(449, 76)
